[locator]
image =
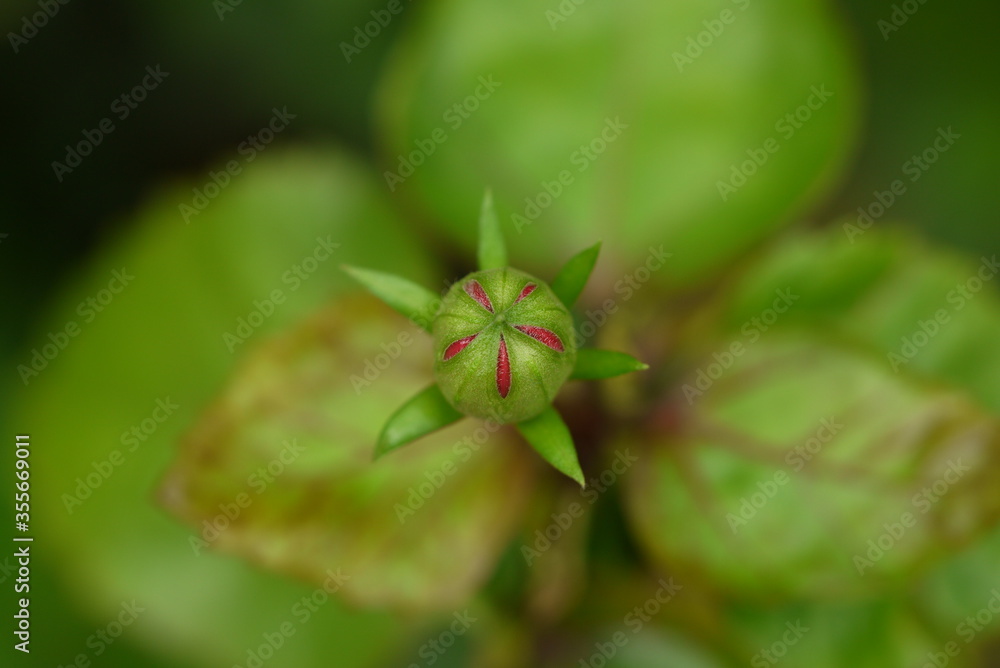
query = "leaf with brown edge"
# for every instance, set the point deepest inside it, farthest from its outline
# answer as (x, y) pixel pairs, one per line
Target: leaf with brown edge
(420, 530)
(785, 469)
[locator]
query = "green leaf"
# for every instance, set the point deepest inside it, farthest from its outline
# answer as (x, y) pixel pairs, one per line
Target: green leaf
(796, 427)
(958, 586)
(592, 364)
(549, 435)
(629, 149)
(426, 412)
(415, 302)
(293, 401)
(880, 632)
(572, 278)
(867, 328)
(492, 249)
(189, 282)
(882, 288)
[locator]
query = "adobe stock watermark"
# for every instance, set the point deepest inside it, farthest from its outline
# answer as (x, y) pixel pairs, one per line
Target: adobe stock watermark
(900, 14)
(453, 118)
(915, 167)
(562, 522)
(957, 299)
(580, 159)
(101, 639)
(966, 631)
(921, 503)
(624, 289)
(300, 612)
(374, 367)
(7, 568)
(30, 25)
(363, 35)
(223, 7)
(121, 108)
(562, 12)
(797, 458)
(698, 43)
(257, 482)
(786, 127)
(293, 278)
(751, 331)
(434, 479)
(776, 651)
(88, 309)
(248, 149)
(635, 621)
(435, 648)
(131, 439)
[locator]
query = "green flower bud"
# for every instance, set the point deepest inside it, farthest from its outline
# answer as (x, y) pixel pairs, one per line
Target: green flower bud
(503, 345)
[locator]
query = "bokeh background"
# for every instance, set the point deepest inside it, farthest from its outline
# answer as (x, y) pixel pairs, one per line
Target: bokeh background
(533, 84)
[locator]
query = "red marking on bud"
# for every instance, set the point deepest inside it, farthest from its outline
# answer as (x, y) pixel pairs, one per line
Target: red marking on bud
(457, 347)
(528, 289)
(546, 336)
(503, 370)
(476, 292)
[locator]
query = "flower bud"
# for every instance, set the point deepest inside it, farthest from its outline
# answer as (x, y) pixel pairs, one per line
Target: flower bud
(503, 345)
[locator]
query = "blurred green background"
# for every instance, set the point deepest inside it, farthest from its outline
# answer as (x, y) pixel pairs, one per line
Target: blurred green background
(563, 72)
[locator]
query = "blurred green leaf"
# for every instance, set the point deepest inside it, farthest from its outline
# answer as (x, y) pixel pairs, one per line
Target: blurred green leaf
(435, 503)
(959, 598)
(799, 467)
(922, 311)
(589, 125)
(857, 298)
(572, 278)
(162, 338)
(592, 364)
(413, 301)
(426, 412)
(548, 434)
(884, 630)
(492, 248)
(866, 634)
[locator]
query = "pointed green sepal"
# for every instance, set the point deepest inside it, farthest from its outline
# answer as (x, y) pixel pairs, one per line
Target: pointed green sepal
(549, 435)
(415, 302)
(571, 279)
(426, 412)
(492, 249)
(594, 364)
